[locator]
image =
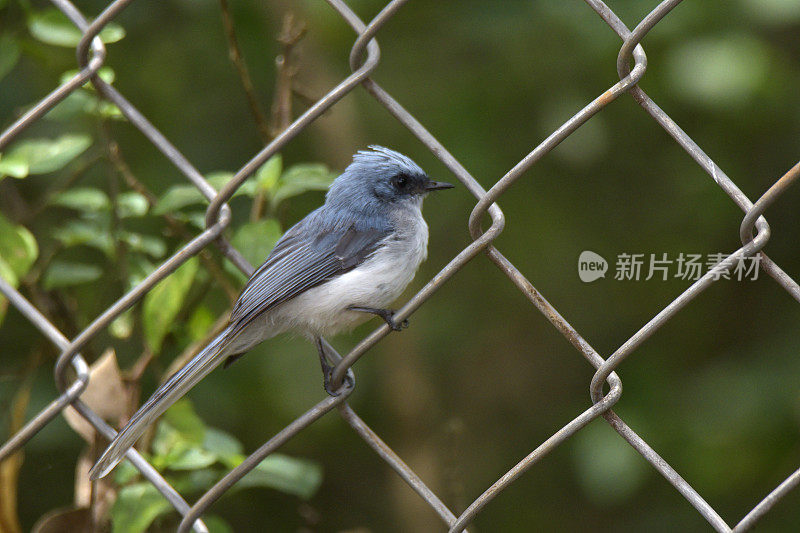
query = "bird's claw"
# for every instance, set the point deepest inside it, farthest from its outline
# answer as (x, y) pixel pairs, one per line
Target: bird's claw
(386, 314)
(395, 326)
(347, 383)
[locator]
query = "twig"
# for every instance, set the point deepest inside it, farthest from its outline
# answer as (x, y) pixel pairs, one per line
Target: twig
(235, 53)
(120, 246)
(281, 110)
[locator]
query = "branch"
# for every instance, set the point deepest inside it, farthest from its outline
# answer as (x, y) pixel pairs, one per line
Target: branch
(291, 34)
(235, 53)
(281, 110)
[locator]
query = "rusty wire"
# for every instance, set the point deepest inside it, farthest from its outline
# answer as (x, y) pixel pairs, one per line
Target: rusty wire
(363, 59)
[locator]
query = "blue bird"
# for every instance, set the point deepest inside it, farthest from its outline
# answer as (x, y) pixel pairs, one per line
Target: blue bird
(348, 259)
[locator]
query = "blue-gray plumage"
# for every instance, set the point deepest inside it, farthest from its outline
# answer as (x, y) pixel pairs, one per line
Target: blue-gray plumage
(351, 257)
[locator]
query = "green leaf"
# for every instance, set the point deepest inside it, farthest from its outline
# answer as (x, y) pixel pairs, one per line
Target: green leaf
(195, 218)
(77, 103)
(105, 109)
(18, 252)
(164, 301)
(176, 198)
(51, 26)
(125, 473)
(269, 173)
(106, 74)
(218, 179)
(183, 419)
(132, 204)
(41, 156)
(48, 156)
(87, 233)
(146, 244)
(14, 166)
(179, 438)
(170, 452)
(82, 199)
(193, 481)
(166, 442)
(299, 477)
(192, 458)
(200, 322)
(68, 274)
(122, 326)
(7, 274)
(136, 507)
(256, 239)
(83, 102)
(224, 446)
(9, 54)
(183, 442)
(179, 196)
(302, 178)
(18, 248)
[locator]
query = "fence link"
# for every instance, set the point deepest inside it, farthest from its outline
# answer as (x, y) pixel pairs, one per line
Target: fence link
(364, 58)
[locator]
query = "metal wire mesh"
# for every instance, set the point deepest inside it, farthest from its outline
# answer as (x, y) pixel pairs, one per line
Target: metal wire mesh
(364, 58)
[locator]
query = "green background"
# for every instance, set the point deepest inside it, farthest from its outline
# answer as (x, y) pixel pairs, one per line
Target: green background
(480, 378)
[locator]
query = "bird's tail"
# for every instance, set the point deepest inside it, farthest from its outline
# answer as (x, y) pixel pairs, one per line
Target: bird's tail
(167, 394)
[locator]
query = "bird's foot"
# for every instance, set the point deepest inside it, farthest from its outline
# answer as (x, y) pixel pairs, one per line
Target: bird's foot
(386, 314)
(347, 384)
(327, 373)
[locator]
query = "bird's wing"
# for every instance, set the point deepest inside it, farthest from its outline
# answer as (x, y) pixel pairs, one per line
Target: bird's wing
(299, 262)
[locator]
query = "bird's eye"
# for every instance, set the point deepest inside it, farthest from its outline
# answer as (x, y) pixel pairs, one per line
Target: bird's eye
(400, 181)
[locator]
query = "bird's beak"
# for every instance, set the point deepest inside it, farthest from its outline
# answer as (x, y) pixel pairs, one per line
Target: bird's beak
(431, 185)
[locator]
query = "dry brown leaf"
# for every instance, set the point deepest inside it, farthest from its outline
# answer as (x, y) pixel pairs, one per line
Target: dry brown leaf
(105, 395)
(63, 520)
(98, 496)
(9, 468)
(83, 487)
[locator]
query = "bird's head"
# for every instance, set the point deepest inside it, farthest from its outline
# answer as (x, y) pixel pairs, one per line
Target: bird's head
(381, 177)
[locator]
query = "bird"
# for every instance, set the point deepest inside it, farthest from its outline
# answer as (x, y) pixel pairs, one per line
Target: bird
(345, 261)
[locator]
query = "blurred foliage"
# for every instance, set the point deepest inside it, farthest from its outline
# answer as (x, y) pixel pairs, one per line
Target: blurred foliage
(90, 208)
(106, 233)
(51, 26)
(193, 457)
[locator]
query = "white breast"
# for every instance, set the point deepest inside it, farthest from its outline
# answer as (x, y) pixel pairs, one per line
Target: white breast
(376, 283)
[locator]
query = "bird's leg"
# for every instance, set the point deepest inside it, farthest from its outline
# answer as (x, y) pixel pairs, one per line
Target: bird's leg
(323, 360)
(386, 314)
(327, 369)
(326, 366)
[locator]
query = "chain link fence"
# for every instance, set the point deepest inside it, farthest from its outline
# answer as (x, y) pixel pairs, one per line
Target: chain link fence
(364, 58)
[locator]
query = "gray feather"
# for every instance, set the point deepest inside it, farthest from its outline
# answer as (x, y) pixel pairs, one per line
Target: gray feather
(167, 394)
(365, 212)
(299, 262)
